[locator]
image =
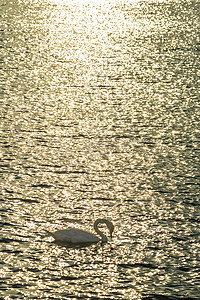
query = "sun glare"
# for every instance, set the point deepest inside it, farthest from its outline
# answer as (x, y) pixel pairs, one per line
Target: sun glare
(77, 1)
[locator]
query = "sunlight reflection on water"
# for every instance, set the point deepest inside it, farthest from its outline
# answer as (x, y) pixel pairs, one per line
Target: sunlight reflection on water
(100, 118)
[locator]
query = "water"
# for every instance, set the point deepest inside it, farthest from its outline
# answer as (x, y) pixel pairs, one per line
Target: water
(99, 118)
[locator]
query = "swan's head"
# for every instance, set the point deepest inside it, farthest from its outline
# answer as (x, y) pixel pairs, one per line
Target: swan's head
(111, 228)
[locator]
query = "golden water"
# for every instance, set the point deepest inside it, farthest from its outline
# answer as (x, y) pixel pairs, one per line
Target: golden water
(100, 118)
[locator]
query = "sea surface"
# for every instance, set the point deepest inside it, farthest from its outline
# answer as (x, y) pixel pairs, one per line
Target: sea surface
(100, 119)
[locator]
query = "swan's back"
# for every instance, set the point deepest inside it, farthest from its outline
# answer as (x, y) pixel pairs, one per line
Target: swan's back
(74, 236)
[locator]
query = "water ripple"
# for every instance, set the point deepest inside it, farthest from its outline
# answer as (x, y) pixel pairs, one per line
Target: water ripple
(100, 118)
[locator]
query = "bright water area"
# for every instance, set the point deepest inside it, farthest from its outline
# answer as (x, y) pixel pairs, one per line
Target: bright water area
(100, 118)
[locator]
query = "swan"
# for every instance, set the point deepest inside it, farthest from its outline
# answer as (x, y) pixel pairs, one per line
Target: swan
(76, 236)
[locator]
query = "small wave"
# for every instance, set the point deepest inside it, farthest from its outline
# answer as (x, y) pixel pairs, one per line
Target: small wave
(138, 265)
(69, 278)
(6, 240)
(70, 172)
(19, 285)
(165, 297)
(29, 200)
(7, 224)
(42, 185)
(11, 251)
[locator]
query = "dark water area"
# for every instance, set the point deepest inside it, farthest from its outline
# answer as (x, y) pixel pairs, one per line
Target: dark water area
(100, 119)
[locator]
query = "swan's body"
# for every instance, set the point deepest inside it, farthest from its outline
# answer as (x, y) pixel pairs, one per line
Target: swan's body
(76, 236)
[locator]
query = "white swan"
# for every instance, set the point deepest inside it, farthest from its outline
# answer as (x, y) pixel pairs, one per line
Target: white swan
(76, 236)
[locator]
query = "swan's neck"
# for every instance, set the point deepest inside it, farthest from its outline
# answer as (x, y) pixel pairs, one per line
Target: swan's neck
(100, 233)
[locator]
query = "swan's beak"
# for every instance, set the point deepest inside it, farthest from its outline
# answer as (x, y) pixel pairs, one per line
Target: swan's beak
(111, 230)
(111, 233)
